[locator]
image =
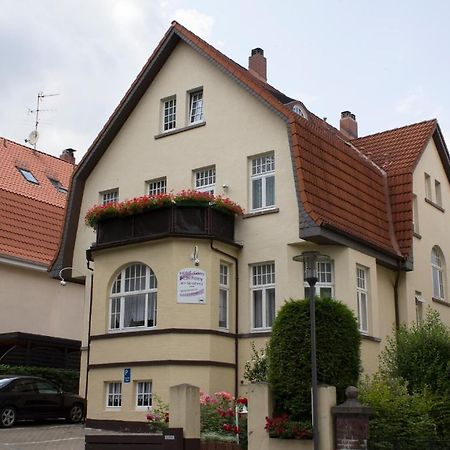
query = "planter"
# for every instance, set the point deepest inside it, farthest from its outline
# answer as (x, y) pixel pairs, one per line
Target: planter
(177, 220)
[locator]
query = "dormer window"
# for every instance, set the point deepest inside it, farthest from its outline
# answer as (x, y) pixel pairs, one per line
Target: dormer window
(28, 175)
(298, 110)
(58, 186)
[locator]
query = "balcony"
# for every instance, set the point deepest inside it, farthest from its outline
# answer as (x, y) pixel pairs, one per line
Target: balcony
(177, 220)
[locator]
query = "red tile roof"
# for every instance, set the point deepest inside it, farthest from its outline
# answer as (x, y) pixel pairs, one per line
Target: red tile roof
(31, 215)
(397, 152)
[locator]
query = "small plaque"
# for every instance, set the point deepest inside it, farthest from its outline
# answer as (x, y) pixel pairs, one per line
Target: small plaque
(169, 437)
(127, 375)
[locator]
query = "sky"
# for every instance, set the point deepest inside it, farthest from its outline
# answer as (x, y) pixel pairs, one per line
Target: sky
(388, 62)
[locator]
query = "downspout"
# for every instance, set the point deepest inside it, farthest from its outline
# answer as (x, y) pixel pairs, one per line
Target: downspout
(88, 260)
(236, 322)
(396, 299)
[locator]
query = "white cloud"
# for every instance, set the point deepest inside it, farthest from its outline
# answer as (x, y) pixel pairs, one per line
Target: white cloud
(197, 22)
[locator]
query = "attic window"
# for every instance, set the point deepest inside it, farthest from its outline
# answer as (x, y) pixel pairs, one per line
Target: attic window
(28, 175)
(58, 186)
(299, 111)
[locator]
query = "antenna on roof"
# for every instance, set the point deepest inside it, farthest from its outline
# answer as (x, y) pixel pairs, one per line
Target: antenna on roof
(34, 135)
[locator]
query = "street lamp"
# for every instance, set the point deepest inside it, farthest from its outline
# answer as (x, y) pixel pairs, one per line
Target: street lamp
(310, 260)
(63, 281)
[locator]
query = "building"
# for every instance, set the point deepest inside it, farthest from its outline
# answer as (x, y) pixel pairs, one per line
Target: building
(41, 321)
(193, 118)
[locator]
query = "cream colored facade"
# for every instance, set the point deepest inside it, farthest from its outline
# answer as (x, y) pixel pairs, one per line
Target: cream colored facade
(38, 304)
(237, 127)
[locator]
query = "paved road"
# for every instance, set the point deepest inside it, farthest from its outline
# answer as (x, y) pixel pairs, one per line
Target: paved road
(54, 436)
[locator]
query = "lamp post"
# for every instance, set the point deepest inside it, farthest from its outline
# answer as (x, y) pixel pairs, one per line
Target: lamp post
(310, 260)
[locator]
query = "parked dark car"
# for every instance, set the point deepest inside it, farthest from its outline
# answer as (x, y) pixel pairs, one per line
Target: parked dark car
(24, 397)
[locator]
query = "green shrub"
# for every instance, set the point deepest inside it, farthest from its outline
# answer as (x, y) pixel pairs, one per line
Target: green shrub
(255, 370)
(420, 354)
(338, 353)
(397, 415)
(68, 380)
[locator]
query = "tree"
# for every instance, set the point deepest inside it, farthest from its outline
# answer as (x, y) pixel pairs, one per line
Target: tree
(338, 353)
(420, 355)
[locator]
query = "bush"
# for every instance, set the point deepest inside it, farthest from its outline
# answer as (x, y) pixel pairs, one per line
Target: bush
(255, 370)
(397, 415)
(420, 355)
(68, 380)
(338, 353)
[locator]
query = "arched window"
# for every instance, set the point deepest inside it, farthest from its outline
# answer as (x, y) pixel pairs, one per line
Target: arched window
(437, 267)
(133, 298)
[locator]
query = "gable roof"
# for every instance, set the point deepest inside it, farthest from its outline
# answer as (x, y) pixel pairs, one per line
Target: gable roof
(398, 151)
(31, 215)
(354, 201)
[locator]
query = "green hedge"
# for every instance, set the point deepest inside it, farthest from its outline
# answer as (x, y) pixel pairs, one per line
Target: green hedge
(338, 353)
(68, 380)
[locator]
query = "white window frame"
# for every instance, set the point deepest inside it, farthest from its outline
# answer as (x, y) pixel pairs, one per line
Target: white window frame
(157, 186)
(325, 280)
(419, 302)
(224, 295)
(416, 226)
(428, 193)
(119, 295)
(438, 273)
(362, 296)
(262, 169)
(145, 394)
(169, 114)
(196, 106)
(262, 280)
(205, 180)
(438, 192)
(109, 197)
(113, 392)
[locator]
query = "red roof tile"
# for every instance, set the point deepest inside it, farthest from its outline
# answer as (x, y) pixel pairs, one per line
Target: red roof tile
(397, 152)
(31, 215)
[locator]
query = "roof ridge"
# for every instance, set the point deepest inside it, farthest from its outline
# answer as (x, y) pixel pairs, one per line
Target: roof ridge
(34, 150)
(396, 129)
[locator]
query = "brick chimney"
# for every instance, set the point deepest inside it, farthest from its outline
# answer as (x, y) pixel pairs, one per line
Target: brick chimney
(67, 155)
(349, 125)
(257, 64)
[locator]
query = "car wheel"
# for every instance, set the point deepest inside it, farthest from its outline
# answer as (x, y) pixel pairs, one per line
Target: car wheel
(7, 416)
(75, 413)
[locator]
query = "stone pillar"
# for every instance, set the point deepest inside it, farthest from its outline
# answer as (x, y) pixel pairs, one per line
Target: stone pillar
(326, 401)
(184, 410)
(351, 421)
(259, 407)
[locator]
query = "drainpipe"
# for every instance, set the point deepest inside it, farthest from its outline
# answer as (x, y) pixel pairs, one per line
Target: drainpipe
(236, 290)
(88, 255)
(396, 299)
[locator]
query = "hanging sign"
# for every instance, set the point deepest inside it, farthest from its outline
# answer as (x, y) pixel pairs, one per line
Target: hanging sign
(191, 286)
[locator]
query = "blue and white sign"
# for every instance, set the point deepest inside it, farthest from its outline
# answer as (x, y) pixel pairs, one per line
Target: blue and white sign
(127, 375)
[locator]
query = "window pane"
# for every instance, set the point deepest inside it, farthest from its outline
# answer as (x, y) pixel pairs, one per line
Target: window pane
(257, 193)
(325, 292)
(115, 314)
(151, 313)
(362, 311)
(257, 309)
(223, 308)
(134, 310)
(270, 191)
(270, 307)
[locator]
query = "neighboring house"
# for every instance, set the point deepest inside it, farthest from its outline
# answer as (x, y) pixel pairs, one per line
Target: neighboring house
(195, 119)
(40, 320)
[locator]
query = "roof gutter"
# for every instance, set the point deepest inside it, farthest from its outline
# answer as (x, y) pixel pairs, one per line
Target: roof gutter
(23, 264)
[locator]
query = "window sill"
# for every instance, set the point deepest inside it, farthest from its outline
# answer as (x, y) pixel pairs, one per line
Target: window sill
(440, 301)
(440, 208)
(180, 130)
(417, 235)
(367, 337)
(113, 408)
(261, 213)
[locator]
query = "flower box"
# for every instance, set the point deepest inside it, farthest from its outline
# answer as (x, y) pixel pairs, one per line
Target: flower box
(176, 220)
